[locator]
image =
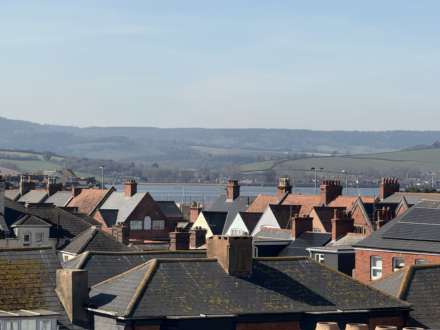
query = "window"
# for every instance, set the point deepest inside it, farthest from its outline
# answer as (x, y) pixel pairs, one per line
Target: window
(316, 230)
(376, 267)
(11, 325)
(27, 238)
(238, 232)
(45, 324)
(319, 257)
(147, 223)
(135, 225)
(398, 263)
(421, 262)
(158, 225)
(39, 237)
(359, 229)
(28, 324)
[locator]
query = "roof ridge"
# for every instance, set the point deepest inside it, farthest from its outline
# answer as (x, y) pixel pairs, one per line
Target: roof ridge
(134, 252)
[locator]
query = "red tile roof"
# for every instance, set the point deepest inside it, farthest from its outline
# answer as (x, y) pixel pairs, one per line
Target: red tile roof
(89, 200)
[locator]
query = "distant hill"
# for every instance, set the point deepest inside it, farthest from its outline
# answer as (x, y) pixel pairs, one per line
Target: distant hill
(397, 163)
(198, 147)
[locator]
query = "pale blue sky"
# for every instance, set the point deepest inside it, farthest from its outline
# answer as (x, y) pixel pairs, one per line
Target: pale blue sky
(272, 64)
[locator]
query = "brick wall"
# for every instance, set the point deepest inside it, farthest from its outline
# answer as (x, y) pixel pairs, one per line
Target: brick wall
(286, 325)
(359, 220)
(363, 258)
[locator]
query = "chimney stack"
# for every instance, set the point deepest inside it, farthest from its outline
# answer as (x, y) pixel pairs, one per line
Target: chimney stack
(234, 254)
(52, 186)
(197, 238)
(342, 224)
(76, 191)
(25, 185)
(383, 216)
(387, 187)
(232, 190)
(301, 224)
(330, 190)
(121, 233)
(72, 288)
(130, 188)
(194, 211)
(284, 187)
(179, 240)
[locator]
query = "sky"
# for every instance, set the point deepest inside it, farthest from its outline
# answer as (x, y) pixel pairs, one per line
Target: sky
(349, 65)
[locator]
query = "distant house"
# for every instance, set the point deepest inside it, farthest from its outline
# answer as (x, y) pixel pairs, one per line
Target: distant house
(88, 201)
(231, 203)
(339, 255)
(276, 216)
(212, 222)
(30, 231)
(322, 218)
(92, 239)
(139, 212)
(411, 238)
(243, 224)
(419, 286)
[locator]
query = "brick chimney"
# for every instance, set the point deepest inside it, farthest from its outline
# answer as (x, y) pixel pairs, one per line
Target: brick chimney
(72, 288)
(121, 233)
(387, 187)
(197, 238)
(234, 254)
(301, 224)
(76, 191)
(130, 188)
(179, 240)
(330, 190)
(52, 186)
(25, 185)
(232, 190)
(342, 224)
(194, 212)
(284, 187)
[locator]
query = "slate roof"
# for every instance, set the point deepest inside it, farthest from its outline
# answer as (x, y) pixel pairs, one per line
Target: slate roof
(65, 225)
(284, 214)
(31, 220)
(298, 247)
(28, 280)
(216, 221)
(34, 196)
(94, 239)
(221, 204)
(273, 234)
(170, 209)
(416, 230)
(125, 205)
(418, 285)
(103, 265)
(190, 287)
(60, 198)
(250, 219)
(325, 215)
(411, 197)
(12, 194)
(88, 200)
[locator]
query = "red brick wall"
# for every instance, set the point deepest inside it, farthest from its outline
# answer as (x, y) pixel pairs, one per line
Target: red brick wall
(359, 219)
(363, 257)
(286, 325)
(98, 217)
(397, 321)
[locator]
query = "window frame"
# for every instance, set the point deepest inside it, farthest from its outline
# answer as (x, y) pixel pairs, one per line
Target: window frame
(319, 258)
(137, 227)
(395, 265)
(155, 222)
(376, 268)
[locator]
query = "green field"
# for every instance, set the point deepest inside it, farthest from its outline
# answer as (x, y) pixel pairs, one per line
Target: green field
(23, 161)
(422, 160)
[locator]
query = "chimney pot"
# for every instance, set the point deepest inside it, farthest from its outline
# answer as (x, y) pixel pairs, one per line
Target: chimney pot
(284, 186)
(130, 188)
(330, 190)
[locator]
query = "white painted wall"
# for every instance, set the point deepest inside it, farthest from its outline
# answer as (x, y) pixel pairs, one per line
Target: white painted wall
(237, 225)
(201, 222)
(267, 220)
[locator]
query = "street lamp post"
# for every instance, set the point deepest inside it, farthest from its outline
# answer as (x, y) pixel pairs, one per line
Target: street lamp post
(316, 169)
(102, 177)
(346, 181)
